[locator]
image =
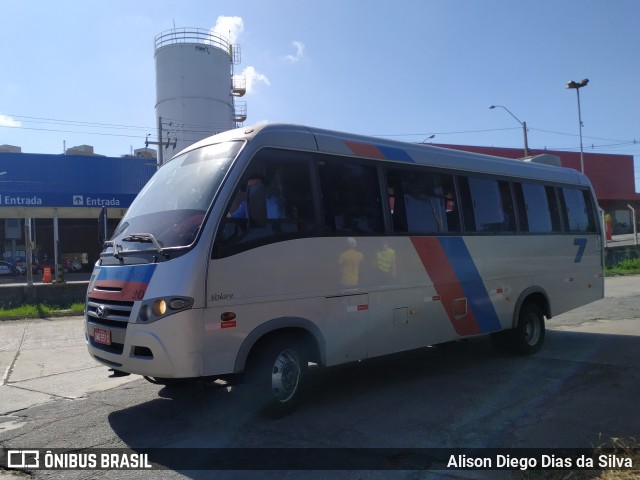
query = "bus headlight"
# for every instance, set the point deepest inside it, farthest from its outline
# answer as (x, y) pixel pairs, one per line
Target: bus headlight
(159, 308)
(154, 309)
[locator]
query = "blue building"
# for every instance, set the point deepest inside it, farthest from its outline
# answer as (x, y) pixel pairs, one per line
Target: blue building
(63, 196)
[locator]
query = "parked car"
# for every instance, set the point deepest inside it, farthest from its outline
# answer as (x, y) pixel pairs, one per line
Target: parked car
(7, 269)
(72, 265)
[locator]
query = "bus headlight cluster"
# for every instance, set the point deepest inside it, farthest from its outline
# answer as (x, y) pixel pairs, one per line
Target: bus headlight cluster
(156, 308)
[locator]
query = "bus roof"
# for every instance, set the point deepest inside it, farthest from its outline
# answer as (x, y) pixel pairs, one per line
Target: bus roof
(299, 137)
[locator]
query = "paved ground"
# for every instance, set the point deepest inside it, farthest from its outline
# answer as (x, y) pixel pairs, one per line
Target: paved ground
(580, 390)
(41, 360)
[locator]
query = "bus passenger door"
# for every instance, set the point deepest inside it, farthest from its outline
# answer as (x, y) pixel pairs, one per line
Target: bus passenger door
(346, 328)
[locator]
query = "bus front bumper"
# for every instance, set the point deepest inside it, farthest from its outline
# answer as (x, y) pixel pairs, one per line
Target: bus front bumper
(168, 348)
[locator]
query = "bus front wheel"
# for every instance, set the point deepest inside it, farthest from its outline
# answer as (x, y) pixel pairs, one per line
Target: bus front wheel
(276, 374)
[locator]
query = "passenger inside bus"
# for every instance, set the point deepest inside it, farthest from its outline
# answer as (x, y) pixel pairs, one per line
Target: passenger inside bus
(258, 198)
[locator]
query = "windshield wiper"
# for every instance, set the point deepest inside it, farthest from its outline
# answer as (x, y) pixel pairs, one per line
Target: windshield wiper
(146, 238)
(116, 248)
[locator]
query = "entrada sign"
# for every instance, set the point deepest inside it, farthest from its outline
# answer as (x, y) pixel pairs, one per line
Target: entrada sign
(24, 199)
(18, 200)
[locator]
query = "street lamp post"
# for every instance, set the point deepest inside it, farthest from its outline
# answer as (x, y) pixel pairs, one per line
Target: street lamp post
(524, 127)
(578, 86)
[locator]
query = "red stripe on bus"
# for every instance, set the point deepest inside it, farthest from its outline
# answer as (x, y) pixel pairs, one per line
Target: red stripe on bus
(118, 290)
(445, 281)
(365, 149)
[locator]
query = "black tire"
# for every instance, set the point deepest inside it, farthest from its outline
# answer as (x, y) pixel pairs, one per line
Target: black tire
(275, 375)
(528, 336)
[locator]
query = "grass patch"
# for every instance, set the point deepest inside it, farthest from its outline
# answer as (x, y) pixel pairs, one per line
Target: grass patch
(629, 266)
(41, 310)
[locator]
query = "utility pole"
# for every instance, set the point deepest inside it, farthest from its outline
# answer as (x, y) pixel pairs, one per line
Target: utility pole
(635, 225)
(160, 143)
(522, 124)
(28, 251)
(577, 86)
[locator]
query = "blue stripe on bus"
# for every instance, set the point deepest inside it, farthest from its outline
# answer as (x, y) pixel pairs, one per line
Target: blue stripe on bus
(127, 273)
(392, 153)
(471, 282)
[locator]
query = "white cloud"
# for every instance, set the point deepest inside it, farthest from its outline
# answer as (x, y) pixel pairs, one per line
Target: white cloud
(229, 27)
(7, 121)
(253, 77)
(299, 47)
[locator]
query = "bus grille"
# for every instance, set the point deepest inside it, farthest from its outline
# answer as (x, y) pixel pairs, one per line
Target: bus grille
(112, 315)
(108, 313)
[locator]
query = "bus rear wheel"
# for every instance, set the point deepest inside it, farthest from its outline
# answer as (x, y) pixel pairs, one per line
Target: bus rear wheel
(528, 336)
(276, 374)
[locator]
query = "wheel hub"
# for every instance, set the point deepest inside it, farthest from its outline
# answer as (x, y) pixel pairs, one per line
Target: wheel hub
(285, 376)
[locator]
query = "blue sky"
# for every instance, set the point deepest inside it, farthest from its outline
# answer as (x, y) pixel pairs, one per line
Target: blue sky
(82, 72)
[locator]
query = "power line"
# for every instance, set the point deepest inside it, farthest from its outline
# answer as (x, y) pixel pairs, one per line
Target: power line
(183, 134)
(190, 132)
(72, 131)
(57, 121)
(442, 133)
(619, 143)
(170, 122)
(584, 136)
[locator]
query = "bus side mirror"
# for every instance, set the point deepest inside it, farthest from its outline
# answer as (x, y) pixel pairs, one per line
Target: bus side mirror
(102, 226)
(257, 205)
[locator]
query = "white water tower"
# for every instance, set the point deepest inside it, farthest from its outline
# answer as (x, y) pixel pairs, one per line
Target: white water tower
(195, 87)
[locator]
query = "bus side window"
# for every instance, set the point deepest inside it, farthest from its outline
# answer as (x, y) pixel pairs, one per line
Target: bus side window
(522, 207)
(423, 203)
(350, 197)
(287, 211)
(450, 206)
(508, 210)
(577, 210)
(552, 198)
(467, 204)
(534, 209)
(488, 205)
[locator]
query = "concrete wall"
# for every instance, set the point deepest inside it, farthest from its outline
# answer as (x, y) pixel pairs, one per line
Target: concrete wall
(61, 294)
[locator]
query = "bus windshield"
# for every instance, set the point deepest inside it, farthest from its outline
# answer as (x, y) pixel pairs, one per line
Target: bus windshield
(170, 209)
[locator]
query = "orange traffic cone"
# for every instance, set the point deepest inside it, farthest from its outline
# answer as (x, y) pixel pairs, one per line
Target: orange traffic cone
(46, 275)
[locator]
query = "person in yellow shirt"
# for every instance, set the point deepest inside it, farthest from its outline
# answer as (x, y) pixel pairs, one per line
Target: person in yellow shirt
(349, 262)
(386, 261)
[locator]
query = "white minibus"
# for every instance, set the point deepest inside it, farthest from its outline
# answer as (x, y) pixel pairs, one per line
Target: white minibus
(261, 250)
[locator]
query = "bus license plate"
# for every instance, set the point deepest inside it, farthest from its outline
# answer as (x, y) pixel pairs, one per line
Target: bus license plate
(102, 336)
